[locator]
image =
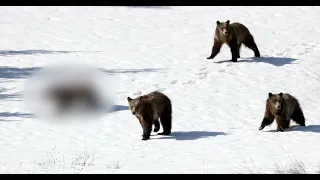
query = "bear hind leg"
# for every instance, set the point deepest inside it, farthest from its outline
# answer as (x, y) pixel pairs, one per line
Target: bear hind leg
(249, 42)
(298, 117)
(156, 125)
(234, 50)
(166, 121)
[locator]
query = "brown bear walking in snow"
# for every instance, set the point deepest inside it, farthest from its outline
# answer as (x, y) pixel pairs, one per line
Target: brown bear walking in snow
(148, 109)
(282, 107)
(233, 35)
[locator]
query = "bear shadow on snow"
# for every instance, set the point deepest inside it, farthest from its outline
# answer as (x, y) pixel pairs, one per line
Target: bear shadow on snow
(191, 135)
(309, 128)
(276, 61)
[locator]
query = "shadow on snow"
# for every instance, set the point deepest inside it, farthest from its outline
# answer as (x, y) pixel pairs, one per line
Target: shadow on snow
(16, 114)
(150, 7)
(191, 135)
(276, 61)
(119, 71)
(35, 52)
(309, 128)
(10, 97)
(17, 73)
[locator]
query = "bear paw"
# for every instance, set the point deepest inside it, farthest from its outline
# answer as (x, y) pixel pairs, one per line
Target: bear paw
(164, 133)
(280, 129)
(144, 138)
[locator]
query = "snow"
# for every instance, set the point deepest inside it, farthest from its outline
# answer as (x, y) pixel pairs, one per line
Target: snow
(217, 105)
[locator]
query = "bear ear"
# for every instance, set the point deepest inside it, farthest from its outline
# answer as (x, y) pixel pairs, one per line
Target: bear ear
(270, 94)
(129, 99)
(228, 21)
(280, 94)
(141, 98)
(218, 22)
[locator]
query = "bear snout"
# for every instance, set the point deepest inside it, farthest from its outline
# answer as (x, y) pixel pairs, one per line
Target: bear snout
(133, 113)
(277, 106)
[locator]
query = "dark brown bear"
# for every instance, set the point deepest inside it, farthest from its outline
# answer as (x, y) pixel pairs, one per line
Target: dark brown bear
(233, 35)
(148, 109)
(282, 107)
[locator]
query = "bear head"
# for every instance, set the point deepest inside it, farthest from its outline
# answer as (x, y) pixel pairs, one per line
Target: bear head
(276, 101)
(137, 105)
(223, 28)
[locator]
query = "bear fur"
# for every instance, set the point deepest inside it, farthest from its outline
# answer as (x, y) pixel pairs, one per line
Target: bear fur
(282, 107)
(234, 35)
(148, 109)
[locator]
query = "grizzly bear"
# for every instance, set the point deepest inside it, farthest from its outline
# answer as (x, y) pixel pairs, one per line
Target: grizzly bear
(148, 109)
(233, 35)
(282, 107)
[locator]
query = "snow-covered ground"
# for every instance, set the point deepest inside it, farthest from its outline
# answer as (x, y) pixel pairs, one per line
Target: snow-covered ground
(217, 105)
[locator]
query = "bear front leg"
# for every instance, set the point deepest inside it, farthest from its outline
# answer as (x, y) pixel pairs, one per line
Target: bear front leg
(266, 122)
(268, 118)
(147, 132)
(215, 50)
(281, 124)
(147, 128)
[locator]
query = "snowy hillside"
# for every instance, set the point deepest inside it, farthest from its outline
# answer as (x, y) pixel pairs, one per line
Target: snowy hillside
(217, 105)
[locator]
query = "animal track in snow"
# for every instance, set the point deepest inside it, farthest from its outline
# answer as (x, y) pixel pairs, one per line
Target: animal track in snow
(202, 75)
(174, 82)
(189, 82)
(309, 49)
(221, 70)
(202, 69)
